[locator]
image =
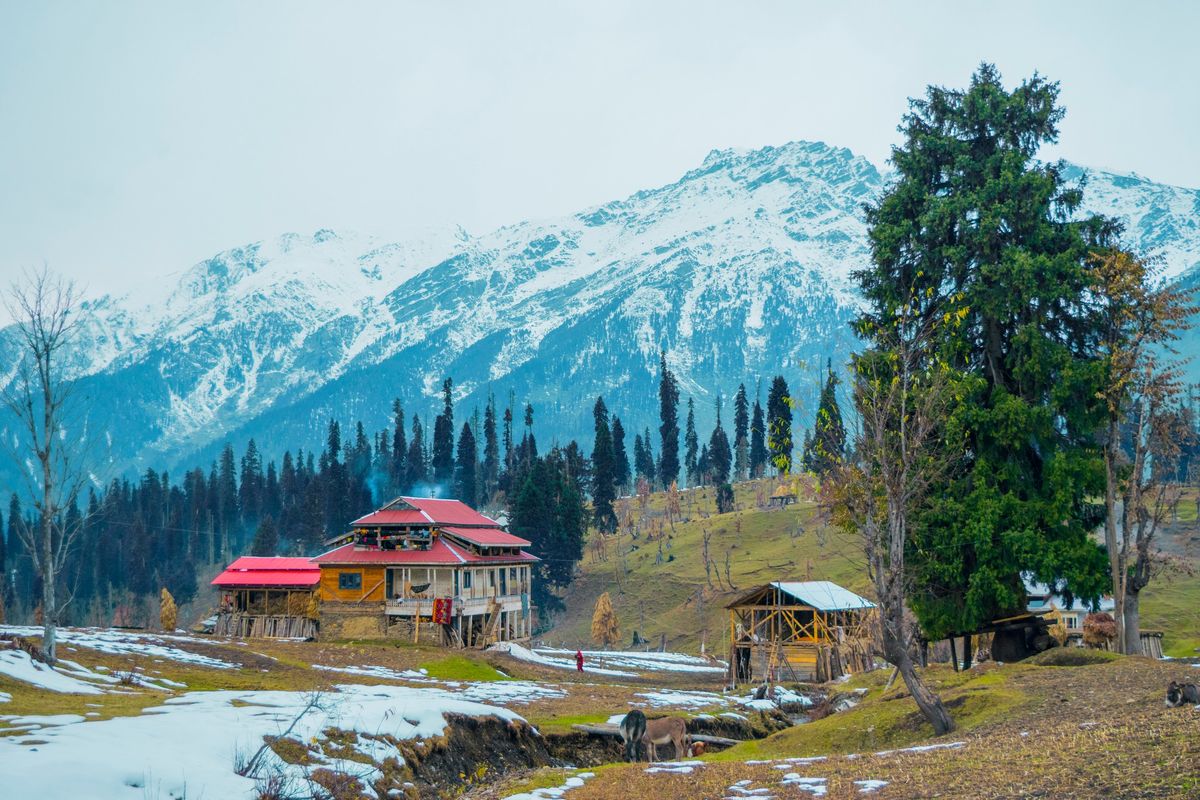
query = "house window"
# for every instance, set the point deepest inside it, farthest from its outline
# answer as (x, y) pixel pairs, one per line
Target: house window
(350, 580)
(466, 579)
(1072, 622)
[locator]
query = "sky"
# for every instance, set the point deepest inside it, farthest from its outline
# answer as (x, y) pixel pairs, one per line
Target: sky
(137, 139)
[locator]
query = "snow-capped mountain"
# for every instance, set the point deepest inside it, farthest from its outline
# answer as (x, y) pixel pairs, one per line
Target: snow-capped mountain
(740, 270)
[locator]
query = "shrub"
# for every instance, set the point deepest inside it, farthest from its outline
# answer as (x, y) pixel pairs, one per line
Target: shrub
(1099, 629)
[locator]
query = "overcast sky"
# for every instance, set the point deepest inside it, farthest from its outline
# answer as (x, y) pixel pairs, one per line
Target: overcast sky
(139, 138)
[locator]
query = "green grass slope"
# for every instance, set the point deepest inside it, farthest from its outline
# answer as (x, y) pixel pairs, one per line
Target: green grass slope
(677, 598)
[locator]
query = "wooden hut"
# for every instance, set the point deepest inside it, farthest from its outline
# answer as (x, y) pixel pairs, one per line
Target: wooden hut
(800, 631)
(268, 596)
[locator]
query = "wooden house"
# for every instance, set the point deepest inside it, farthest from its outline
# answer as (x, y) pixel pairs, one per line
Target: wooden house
(268, 597)
(427, 569)
(800, 631)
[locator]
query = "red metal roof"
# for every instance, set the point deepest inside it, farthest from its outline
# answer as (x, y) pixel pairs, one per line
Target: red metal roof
(451, 512)
(388, 516)
(493, 537)
(440, 553)
(426, 511)
(269, 572)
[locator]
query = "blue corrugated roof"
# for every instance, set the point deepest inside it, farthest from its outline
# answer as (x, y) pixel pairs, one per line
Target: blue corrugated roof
(823, 595)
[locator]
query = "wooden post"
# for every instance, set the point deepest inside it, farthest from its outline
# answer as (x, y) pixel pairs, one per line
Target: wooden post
(953, 654)
(417, 622)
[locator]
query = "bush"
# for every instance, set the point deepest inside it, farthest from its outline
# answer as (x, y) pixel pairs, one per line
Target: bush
(1099, 629)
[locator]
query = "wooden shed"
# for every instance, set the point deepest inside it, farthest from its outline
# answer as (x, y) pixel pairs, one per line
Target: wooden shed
(800, 631)
(268, 596)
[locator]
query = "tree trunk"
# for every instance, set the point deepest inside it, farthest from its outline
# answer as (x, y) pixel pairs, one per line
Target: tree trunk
(953, 654)
(49, 599)
(968, 652)
(1132, 624)
(930, 704)
(1116, 558)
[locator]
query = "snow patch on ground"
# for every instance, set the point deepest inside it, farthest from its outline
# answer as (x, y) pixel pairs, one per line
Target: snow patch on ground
(868, 786)
(675, 767)
(115, 642)
(670, 698)
(525, 654)
(814, 786)
(553, 792)
(18, 665)
(189, 746)
(923, 748)
(633, 659)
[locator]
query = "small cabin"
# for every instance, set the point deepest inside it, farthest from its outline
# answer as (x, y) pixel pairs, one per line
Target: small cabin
(783, 496)
(268, 596)
(427, 569)
(800, 631)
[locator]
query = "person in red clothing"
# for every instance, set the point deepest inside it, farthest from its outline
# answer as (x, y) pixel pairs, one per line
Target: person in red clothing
(579, 660)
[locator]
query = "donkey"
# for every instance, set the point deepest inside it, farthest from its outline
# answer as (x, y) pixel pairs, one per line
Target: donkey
(633, 728)
(664, 730)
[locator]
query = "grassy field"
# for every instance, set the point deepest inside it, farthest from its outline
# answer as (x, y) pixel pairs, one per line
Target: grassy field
(1095, 730)
(674, 596)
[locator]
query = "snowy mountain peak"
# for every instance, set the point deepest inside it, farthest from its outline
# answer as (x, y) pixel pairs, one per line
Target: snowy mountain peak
(740, 269)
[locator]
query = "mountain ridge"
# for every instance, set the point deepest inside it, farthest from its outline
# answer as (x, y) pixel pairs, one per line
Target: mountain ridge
(740, 269)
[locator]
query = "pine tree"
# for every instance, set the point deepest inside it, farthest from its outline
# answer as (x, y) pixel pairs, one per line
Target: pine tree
(603, 471)
(605, 629)
(741, 433)
(266, 539)
(668, 429)
(758, 446)
(415, 473)
(464, 482)
(779, 425)
(986, 247)
(398, 472)
(691, 445)
(443, 438)
(491, 451)
(643, 456)
(227, 493)
(827, 445)
(719, 455)
(620, 458)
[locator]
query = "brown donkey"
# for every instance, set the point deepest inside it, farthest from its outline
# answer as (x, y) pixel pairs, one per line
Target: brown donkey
(664, 730)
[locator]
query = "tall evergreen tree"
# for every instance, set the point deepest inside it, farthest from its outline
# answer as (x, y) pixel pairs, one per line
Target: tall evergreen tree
(414, 464)
(336, 482)
(620, 457)
(603, 471)
(779, 425)
(826, 447)
(398, 472)
(719, 455)
(985, 247)
(491, 451)
(443, 438)
(668, 429)
(741, 433)
(691, 445)
(758, 442)
(250, 486)
(465, 470)
(266, 539)
(227, 494)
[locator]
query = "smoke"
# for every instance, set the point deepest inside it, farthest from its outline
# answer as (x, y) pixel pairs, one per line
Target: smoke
(435, 490)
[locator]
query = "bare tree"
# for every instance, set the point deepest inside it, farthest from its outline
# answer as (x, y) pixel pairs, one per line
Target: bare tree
(1138, 318)
(901, 396)
(44, 449)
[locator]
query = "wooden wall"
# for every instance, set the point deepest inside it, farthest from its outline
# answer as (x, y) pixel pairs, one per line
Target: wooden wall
(372, 584)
